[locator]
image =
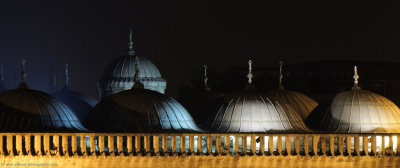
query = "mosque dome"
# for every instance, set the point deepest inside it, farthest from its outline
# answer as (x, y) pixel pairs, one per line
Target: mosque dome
(140, 110)
(361, 111)
(79, 103)
(36, 111)
(118, 75)
(250, 112)
(301, 103)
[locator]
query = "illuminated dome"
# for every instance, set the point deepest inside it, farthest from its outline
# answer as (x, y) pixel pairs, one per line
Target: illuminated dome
(118, 75)
(37, 111)
(80, 104)
(360, 111)
(301, 103)
(140, 110)
(249, 112)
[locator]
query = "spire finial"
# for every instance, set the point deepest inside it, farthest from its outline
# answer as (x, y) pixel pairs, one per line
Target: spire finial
(206, 79)
(131, 51)
(137, 84)
(66, 76)
(280, 74)
(23, 75)
(355, 77)
(250, 75)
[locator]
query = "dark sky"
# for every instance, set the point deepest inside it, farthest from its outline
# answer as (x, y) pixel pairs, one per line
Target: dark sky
(181, 36)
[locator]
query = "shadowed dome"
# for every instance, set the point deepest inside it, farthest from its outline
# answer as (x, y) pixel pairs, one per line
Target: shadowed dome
(140, 110)
(79, 103)
(360, 111)
(301, 103)
(118, 75)
(249, 112)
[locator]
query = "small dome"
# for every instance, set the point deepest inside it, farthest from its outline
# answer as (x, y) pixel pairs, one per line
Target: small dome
(360, 111)
(140, 110)
(79, 103)
(38, 111)
(301, 103)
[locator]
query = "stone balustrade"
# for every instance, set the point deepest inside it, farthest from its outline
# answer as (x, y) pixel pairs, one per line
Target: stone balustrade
(204, 144)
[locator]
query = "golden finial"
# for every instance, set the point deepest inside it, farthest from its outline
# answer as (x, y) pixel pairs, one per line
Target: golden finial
(206, 79)
(355, 77)
(280, 74)
(250, 75)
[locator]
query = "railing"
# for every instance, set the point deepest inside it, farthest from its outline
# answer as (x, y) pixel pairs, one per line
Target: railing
(114, 144)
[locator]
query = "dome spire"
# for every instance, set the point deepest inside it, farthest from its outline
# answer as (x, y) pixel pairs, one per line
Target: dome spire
(280, 75)
(138, 84)
(23, 85)
(355, 77)
(250, 75)
(206, 79)
(66, 86)
(131, 51)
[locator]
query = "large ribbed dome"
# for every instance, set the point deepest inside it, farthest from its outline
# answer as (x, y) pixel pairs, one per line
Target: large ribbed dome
(301, 103)
(140, 110)
(360, 111)
(118, 75)
(250, 112)
(37, 111)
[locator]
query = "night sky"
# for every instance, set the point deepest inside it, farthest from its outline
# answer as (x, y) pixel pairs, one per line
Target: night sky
(181, 36)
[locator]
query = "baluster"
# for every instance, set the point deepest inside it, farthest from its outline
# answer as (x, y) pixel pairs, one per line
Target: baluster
(340, 145)
(383, 149)
(199, 145)
(332, 144)
(228, 145)
(129, 144)
(297, 144)
(288, 145)
(173, 143)
(92, 144)
(64, 144)
(244, 144)
(147, 145)
(253, 145)
(357, 145)
(120, 144)
(156, 145)
(236, 152)
(56, 144)
(101, 145)
(37, 144)
(323, 145)
(137, 144)
(110, 144)
(218, 145)
(279, 145)
(83, 144)
(27, 144)
(74, 144)
(306, 148)
(191, 143)
(2, 152)
(209, 144)
(390, 145)
(9, 145)
(271, 144)
(262, 145)
(164, 143)
(398, 145)
(315, 144)
(365, 145)
(348, 145)
(18, 144)
(373, 145)
(182, 144)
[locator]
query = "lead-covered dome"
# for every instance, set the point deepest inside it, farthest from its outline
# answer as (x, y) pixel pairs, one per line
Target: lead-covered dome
(81, 104)
(118, 75)
(140, 110)
(361, 111)
(250, 112)
(36, 111)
